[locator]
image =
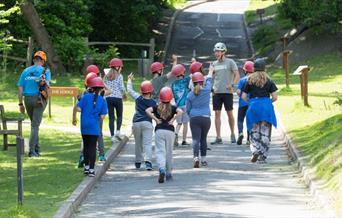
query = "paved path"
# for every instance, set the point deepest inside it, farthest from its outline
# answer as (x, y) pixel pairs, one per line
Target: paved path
(230, 186)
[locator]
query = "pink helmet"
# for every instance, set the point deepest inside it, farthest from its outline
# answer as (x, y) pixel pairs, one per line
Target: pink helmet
(96, 82)
(156, 66)
(93, 69)
(146, 87)
(178, 70)
(165, 95)
(197, 77)
(89, 77)
(195, 67)
(115, 62)
(248, 67)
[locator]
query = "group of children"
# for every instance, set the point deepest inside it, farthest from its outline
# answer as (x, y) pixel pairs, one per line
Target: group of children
(186, 100)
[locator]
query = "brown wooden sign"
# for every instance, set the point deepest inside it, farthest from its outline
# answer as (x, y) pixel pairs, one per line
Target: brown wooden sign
(63, 91)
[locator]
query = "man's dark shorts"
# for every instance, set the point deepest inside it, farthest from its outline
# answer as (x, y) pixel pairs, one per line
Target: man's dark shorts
(223, 98)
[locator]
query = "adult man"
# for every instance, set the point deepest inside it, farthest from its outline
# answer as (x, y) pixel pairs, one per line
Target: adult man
(28, 86)
(226, 75)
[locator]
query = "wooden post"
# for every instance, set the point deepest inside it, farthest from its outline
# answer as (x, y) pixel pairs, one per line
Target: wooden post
(305, 74)
(260, 12)
(286, 67)
(301, 86)
(49, 107)
(20, 148)
(151, 50)
(285, 41)
(29, 52)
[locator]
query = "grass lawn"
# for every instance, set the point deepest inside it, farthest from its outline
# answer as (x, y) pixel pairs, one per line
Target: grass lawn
(317, 129)
(50, 179)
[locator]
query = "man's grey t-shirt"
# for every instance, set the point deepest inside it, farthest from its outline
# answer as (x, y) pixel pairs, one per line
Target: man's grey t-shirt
(224, 75)
(158, 83)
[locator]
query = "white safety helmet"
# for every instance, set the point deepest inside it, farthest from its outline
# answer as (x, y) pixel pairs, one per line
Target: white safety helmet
(220, 46)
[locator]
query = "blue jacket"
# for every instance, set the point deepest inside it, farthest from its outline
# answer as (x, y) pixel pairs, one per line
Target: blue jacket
(260, 109)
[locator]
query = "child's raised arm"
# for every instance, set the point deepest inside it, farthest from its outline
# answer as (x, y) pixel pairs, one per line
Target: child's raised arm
(130, 89)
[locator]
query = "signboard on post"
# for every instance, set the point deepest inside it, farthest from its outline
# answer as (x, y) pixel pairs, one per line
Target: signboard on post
(303, 72)
(63, 92)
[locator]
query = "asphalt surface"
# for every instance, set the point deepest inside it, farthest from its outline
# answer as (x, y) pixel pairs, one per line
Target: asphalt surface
(231, 186)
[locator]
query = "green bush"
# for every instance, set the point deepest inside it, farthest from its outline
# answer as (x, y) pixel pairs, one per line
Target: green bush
(264, 38)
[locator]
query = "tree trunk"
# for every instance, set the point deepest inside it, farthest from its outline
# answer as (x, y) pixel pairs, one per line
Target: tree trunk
(41, 35)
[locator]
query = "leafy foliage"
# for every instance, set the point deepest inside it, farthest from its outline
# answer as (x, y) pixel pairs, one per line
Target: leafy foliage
(4, 34)
(325, 13)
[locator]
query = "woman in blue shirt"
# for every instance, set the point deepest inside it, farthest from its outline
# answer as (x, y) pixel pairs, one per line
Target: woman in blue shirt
(197, 106)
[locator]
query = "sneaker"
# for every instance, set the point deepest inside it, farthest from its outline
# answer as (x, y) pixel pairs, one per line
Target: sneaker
(185, 143)
(208, 149)
(91, 173)
(113, 139)
(148, 165)
(86, 171)
(204, 163)
(169, 177)
(137, 165)
(217, 141)
(33, 154)
(81, 161)
(196, 162)
(175, 144)
(239, 141)
(232, 138)
(262, 159)
(161, 175)
(254, 157)
(118, 135)
(102, 157)
(248, 142)
(37, 150)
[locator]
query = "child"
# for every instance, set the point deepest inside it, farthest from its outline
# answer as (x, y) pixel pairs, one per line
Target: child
(248, 67)
(158, 78)
(142, 124)
(164, 115)
(114, 81)
(93, 108)
(180, 90)
(197, 106)
(260, 114)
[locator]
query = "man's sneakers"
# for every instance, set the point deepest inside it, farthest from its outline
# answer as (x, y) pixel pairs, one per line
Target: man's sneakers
(81, 161)
(161, 177)
(102, 157)
(196, 162)
(91, 173)
(148, 165)
(232, 138)
(239, 141)
(33, 154)
(217, 141)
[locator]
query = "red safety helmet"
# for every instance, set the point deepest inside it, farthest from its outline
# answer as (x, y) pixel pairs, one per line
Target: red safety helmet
(248, 67)
(93, 69)
(156, 66)
(197, 77)
(178, 70)
(115, 62)
(40, 54)
(195, 67)
(96, 82)
(146, 87)
(165, 95)
(89, 77)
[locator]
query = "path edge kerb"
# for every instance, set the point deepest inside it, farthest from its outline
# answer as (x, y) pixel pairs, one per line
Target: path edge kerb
(70, 205)
(172, 24)
(307, 175)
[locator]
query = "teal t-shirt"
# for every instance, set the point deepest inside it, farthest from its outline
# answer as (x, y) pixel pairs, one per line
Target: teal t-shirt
(29, 79)
(180, 90)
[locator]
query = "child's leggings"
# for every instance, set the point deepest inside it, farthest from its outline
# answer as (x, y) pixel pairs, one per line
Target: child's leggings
(164, 140)
(241, 118)
(89, 150)
(114, 103)
(143, 132)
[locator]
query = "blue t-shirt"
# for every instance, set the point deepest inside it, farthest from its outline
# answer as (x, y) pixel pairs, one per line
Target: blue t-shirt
(199, 105)
(141, 104)
(180, 89)
(91, 112)
(29, 79)
(240, 85)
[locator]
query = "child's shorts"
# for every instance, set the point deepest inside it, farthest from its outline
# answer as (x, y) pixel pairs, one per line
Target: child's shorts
(184, 118)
